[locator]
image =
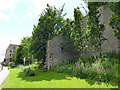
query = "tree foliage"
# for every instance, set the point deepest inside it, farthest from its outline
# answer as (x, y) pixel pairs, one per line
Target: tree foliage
(18, 55)
(23, 51)
(115, 19)
(94, 28)
(50, 24)
(78, 35)
(74, 38)
(67, 45)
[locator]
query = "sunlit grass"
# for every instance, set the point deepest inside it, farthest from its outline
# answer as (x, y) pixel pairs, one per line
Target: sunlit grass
(49, 80)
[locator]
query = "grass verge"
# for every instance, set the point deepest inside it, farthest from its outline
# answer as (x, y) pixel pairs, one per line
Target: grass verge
(16, 79)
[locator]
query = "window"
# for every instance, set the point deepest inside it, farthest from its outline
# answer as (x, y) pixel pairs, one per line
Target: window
(13, 47)
(10, 51)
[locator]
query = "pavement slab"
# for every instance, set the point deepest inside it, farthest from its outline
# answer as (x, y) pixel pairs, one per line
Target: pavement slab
(3, 75)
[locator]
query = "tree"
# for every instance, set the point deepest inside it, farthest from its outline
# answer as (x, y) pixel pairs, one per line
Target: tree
(77, 31)
(50, 24)
(26, 42)
(23, 51)
(94, 28)
(18, 55)
(73, 33)
(68, 44)
(115, 19)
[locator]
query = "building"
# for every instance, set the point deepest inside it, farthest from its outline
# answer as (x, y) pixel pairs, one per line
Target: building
(9, 53)
(56, 55)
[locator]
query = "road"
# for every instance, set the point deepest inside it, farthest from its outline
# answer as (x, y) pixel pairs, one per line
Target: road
(3, 75)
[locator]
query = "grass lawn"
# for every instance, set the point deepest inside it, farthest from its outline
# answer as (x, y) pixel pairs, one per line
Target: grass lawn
(49, 80)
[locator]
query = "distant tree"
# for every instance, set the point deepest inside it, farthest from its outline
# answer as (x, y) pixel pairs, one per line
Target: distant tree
(18, 55)
(23, 51)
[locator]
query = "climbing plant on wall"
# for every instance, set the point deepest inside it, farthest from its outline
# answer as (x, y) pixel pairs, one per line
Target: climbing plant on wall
(115, 19)
(78, 31)
(73, 33)
(94, 28)
(67, 45)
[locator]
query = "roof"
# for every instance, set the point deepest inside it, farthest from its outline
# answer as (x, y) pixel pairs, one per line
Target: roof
(12, 45)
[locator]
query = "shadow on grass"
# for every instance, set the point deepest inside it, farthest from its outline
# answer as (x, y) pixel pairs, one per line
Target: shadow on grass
(40, 76)
(48, 76)
(92, 82)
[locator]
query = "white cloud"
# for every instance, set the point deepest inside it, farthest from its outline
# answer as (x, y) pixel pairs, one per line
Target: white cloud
(8, 5)
(40, 5)
(7, 17)
(25, 17)
(4, 16)
(14, 16)
(30, 15)
(30, 8)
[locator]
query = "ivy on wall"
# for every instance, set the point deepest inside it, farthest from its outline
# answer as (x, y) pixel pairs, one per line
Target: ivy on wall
(67, 45)
(115, 19)
(94, 29)
(77, 31)
(73, 35)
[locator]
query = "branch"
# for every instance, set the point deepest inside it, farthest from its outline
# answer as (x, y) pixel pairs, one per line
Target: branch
(84, 9)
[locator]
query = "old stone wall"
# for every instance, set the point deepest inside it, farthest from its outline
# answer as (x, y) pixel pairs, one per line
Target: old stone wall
(112, 42)
(55, 54)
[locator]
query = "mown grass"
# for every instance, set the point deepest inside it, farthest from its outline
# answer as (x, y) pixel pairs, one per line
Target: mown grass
(50, 79)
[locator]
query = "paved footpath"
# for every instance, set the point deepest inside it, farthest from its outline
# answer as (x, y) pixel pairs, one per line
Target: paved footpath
(3, 75)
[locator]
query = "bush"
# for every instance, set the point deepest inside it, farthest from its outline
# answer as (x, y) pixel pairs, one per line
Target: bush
(60, 69)
(91, 59)
(28, 71)
(36, 65)
(104, 70)
(12, 64)
(112, 54)
(20, 66)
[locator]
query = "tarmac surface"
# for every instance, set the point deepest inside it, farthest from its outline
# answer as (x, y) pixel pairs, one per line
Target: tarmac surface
(3, 75)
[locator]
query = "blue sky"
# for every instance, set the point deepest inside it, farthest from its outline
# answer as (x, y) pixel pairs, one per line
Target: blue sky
(17, 18)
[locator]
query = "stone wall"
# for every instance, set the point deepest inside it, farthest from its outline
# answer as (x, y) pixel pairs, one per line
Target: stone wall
(112, 42)
(57, 55)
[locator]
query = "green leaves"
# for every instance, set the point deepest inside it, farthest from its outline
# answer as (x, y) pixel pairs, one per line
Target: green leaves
(50, 24)
(74, 39)
(23, 51)
(94, 28)
(115, 19)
